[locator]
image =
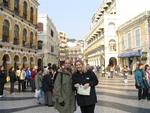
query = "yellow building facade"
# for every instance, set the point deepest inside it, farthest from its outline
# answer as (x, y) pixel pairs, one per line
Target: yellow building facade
(134, 41)
(18, 33)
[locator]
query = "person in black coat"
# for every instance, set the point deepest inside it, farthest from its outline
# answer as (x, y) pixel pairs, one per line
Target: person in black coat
(47, 86)
(2, 80)
(86, 79)
(13, 78)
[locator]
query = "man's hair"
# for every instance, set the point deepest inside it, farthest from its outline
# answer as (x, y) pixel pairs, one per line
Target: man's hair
(49, 64)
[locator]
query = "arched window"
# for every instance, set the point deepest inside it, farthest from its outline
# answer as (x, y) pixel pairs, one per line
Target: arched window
(31, 14)
(25, 9)
(16, 35)
(111, 29)
(24, 37)
(112, 45)
(6, 27)
(6, 3)
(31, 39)
(16, 6)
(40, 43)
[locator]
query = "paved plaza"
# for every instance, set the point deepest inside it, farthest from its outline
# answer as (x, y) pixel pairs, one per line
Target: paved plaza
(113, 97)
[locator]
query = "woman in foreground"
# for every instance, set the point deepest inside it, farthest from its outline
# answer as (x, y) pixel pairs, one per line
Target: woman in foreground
(84, 82)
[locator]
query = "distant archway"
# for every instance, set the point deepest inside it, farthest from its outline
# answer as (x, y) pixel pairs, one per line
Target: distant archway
(16, 60)
(31, 62)
(24, 61)
(5, 59)
(40, 63)
(112, 61)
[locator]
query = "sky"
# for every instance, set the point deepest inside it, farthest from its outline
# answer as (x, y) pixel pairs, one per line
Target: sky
(70, 16)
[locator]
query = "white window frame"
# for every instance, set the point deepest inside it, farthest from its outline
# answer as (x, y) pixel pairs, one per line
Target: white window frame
(129, 43)
(138, 28)
(123, 42)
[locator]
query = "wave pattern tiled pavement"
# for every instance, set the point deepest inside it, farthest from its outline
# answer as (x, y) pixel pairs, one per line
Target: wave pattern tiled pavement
(113, 97)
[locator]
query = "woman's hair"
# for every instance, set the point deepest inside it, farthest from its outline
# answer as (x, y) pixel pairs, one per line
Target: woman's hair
(81, 62)
(146, 66)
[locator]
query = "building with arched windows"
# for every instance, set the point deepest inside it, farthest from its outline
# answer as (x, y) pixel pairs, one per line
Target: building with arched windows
(18, 33)
(100, 46)
(101, 43)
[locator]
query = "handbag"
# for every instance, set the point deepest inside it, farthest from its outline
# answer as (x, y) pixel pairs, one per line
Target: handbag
(82, 91)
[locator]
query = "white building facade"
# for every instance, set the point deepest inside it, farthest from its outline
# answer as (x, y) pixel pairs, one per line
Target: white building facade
(101, 43)
(48, 35)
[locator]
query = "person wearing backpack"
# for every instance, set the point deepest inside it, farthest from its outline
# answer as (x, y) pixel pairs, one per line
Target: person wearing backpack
(64, 95)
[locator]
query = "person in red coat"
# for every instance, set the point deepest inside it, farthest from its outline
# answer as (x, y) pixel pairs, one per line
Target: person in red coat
(33, 74)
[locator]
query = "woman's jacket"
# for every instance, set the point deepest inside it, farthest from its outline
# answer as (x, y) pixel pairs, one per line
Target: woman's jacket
(83, 78)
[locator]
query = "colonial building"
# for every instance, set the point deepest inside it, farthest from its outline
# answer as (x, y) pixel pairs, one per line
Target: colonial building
(75, 50)
(101, 41)
(48, 40)
(18, 33)
(134, 40)
(63, 48)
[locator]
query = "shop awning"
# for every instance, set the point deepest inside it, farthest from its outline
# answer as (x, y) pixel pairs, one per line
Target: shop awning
(130, 54)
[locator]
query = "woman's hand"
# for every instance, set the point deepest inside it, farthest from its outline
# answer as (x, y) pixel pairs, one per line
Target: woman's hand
(77, 85)
(86, 85)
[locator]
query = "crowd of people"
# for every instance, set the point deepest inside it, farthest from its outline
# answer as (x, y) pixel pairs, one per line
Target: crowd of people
(61, 87)
(67, 84)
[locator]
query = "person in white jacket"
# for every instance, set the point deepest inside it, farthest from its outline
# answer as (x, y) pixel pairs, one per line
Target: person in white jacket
(21, 79)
